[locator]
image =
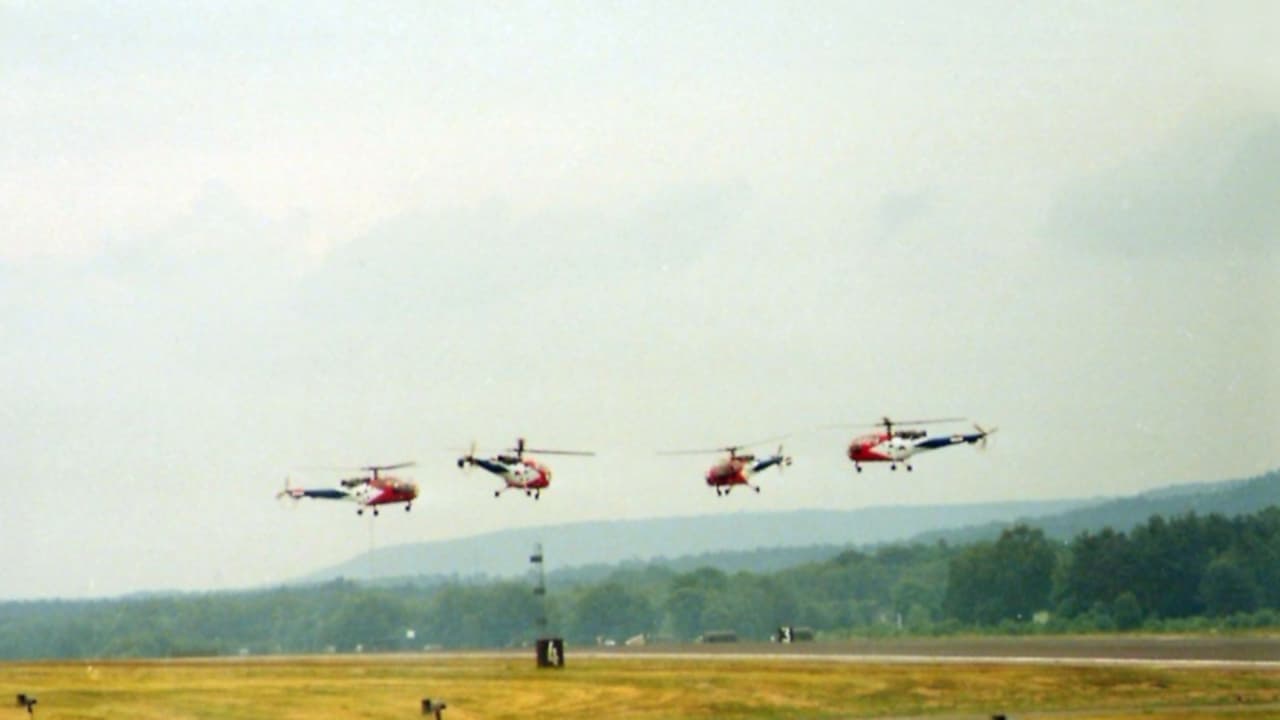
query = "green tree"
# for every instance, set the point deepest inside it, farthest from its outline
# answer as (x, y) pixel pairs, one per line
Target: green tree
(683, 610)
(1228, 587)
(1009, 579)
(1100, 567)
(1025, 563)
(909, 593)
(373, 621)
(611, 610)
(1126, 611)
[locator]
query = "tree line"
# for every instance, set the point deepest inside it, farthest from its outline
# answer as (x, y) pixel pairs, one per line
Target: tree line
(1187, 572)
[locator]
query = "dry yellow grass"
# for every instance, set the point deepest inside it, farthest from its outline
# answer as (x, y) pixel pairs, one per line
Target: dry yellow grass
(635, 687)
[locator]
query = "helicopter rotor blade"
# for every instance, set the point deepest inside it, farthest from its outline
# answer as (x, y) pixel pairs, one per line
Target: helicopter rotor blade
(889, 421)
(586, 453)
(731, 449)
(522, 447)
(394, 466)
(353, 468)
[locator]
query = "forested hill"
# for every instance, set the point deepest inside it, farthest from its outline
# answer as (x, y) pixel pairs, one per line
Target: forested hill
(764, 542)
(1230, 498)
(1179, 573)
(1192, 573)
(802, 536)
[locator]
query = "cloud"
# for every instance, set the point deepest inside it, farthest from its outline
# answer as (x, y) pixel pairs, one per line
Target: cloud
(898, 213)
(1211, 189)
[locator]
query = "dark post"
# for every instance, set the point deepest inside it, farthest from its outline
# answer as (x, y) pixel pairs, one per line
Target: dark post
(539, 590)
(550, 649)
(430, 707)
(551, 652)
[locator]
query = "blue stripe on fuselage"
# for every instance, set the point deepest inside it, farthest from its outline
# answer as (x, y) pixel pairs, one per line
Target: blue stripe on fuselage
(496, 468)
(934, 443)
(325, 494)
(766, 463)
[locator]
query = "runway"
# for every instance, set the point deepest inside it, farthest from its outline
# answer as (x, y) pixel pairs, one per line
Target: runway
(1219, 652)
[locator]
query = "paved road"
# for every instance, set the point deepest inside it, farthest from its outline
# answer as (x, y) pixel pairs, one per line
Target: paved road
(1189, 651)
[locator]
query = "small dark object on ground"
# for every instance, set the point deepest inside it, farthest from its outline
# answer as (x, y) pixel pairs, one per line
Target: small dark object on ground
(717, 636)
(433, 707)
(792, 634)
(550, 652)
(28, 702)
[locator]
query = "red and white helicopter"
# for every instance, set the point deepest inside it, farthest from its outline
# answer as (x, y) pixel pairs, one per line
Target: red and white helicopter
(517, 471)
(895, 444)
(738, 468)
(368, 491)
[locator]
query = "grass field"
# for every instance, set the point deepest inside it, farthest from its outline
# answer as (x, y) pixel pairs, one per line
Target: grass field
(630, 687)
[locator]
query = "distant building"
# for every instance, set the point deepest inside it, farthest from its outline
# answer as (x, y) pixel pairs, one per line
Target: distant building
(793, 634)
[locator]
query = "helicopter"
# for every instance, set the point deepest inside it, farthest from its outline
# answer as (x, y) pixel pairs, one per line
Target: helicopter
(738, 468)
(517, 471)
(897, 444)
(368, 491)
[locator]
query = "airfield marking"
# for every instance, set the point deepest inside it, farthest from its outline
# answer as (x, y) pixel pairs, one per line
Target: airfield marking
(897, 659)
(872, 659)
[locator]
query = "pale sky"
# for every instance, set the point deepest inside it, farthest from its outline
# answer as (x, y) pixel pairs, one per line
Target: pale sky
(242, 239)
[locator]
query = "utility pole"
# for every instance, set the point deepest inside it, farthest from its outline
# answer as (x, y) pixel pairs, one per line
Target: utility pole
(539, 591)
(550, 649)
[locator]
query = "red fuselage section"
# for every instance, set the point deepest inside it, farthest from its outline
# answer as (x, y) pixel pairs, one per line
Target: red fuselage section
(869, 448)
(528, 474)
(728, 472)
(386, 491)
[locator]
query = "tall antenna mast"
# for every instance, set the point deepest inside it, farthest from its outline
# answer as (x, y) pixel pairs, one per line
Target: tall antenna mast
(550, 649)
(539, 591)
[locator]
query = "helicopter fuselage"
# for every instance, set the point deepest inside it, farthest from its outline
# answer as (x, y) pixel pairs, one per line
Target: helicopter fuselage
(387, 491)
(364, 492)
(900, 446)
(739, 469)
(517, 470)
(517, 473)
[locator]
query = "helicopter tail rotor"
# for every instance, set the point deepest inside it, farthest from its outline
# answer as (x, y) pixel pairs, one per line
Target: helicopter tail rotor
(289, 492)
(984, 433)
(466, 461)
